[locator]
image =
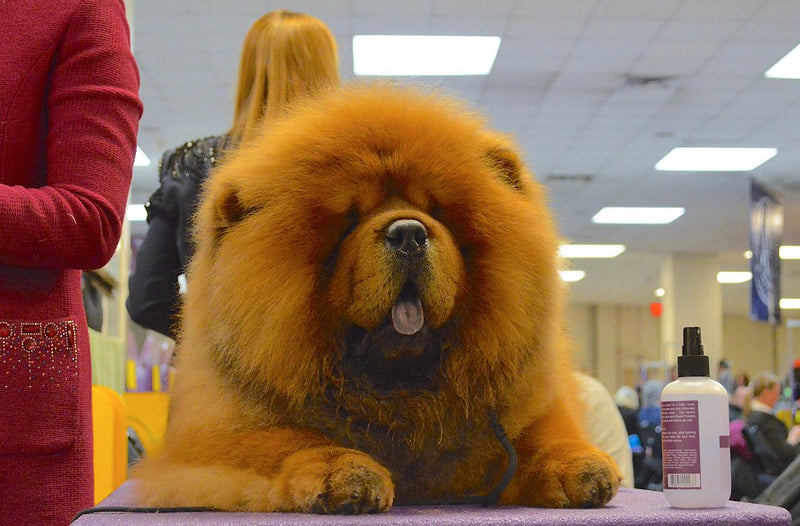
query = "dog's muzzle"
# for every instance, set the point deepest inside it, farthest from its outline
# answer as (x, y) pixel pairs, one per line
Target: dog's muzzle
(407, 241)
(407, 238)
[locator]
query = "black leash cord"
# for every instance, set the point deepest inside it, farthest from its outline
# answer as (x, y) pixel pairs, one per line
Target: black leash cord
(494, 496)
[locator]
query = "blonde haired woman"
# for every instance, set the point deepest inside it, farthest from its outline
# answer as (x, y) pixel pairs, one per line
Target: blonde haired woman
(285, 56)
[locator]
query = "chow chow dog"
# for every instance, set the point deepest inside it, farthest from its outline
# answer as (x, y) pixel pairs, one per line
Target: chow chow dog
(374, 318)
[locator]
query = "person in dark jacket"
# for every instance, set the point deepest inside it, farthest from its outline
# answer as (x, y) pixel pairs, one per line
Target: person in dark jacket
(285, 56)
(153, 288)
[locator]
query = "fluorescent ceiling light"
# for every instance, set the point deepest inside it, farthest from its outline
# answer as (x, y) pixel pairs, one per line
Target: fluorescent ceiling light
(715, 159)
(135, 213)
(786, 68)
(633, 215)
(141, 159)
(571, 276)
(789, 252)
(790, 303)
(404, 55)
(733, 277)
(784, 252)
(590, 251)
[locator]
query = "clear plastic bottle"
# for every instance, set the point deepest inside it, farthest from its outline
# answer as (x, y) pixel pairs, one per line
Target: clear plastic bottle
(695, 434)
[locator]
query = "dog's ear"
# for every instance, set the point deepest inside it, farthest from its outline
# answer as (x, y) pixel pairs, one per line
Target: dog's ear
(507, 166)
(228, 207)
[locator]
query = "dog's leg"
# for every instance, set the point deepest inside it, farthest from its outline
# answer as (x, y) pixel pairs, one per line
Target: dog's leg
(559, 468)
(273, 470)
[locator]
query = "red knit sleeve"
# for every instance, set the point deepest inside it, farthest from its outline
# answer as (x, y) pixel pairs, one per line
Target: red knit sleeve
(75, 220)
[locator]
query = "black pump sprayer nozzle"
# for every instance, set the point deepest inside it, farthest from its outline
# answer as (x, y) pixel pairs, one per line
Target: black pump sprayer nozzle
(692, 345)
(692, 362)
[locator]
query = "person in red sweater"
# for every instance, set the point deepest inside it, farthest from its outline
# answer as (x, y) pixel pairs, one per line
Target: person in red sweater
(69, 114)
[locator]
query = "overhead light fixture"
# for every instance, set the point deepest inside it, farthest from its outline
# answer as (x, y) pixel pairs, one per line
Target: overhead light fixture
(715, 159)
(571, 276)
(789, 252)
(727, 276)
(420, 55)
(659, 292)
(784, 252)
(790, 303)
(638, 215)
(141, 158)
(786, 68)
(590, 251)
(135, 213)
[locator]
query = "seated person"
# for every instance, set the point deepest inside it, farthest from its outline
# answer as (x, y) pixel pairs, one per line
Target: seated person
(774, 445)
(604, 424)
(627, 401)
(736, 403)
(650, 412)
(748, 479)
(649, 418)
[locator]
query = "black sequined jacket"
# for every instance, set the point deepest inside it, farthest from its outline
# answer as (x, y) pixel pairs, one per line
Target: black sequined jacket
(153, 293)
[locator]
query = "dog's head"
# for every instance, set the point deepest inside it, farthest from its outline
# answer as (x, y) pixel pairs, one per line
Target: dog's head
(379, 235)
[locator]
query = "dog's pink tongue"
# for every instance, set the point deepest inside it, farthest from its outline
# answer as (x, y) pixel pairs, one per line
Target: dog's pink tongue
(407, 315)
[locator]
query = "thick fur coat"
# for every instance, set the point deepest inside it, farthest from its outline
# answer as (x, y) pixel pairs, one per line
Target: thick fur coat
(376, 276)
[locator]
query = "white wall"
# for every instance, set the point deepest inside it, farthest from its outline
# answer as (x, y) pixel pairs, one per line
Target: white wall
(612, 341)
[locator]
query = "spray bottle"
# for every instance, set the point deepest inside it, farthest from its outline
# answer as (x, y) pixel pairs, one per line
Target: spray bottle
(695, 434)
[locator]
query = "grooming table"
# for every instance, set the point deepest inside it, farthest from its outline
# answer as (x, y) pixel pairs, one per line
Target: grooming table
(632, 507)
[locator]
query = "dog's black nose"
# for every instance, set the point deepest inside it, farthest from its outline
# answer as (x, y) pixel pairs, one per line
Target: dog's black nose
(407, 237)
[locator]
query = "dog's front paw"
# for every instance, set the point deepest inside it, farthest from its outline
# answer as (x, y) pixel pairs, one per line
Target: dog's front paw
(585, 478)
(336, 481)
(355, 486)
(590, 480)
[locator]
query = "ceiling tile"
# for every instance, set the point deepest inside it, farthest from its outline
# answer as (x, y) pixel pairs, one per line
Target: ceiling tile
(559, 85)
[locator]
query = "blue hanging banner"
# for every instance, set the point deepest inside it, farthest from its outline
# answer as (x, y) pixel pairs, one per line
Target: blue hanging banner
(766, 231)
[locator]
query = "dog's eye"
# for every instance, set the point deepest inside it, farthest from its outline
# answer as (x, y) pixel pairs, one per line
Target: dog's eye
(437, 213)
(352, 222)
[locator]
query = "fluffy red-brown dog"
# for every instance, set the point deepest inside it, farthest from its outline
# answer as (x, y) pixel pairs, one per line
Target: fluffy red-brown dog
(373, 296)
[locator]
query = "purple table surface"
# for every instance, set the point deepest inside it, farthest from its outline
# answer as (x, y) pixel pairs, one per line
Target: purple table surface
(630, 507)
